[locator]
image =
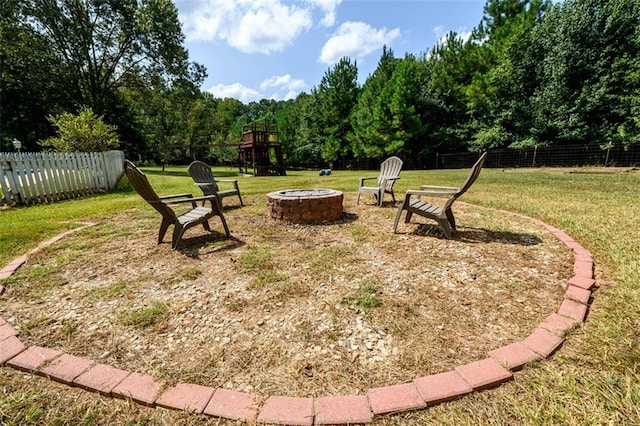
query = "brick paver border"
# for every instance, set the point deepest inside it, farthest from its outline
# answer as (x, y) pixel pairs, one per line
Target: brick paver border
(422, 392)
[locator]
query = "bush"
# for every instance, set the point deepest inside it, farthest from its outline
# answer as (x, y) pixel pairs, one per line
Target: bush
(85, 132)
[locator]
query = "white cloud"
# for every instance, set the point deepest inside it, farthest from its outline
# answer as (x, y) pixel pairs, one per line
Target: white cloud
(283, 87)
(236, 91)
(252, 26)
(465, 35)
(442, 35)
(292, 94)
(206, 19)
(355, 40)
(285, 82)
(269, 29)
(439, 31)
(277, 96)
(329, 8)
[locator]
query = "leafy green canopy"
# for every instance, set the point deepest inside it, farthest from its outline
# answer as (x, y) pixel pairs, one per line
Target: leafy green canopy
(533, 72)
(105, 44)
(85, 132)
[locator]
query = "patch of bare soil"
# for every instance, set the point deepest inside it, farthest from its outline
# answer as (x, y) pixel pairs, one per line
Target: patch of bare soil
(289, 309)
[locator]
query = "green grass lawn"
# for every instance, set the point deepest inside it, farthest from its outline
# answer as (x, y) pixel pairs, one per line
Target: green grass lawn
(593, 379)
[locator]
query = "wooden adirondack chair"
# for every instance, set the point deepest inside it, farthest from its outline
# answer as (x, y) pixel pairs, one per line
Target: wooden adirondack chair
(203, 177)
(442, 215)
(389, 173)
(182, 222)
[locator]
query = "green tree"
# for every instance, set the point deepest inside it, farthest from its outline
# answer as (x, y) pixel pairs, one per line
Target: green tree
(85, 132)
(387, 118)
(499, 15)
(491, 93)
(293, 125)
(27, 92)
(369, 115)
(333, 100)
(104, 43)
(588, 82)
(405, 129)
(449, 69)
(223, 137)
(159, 121)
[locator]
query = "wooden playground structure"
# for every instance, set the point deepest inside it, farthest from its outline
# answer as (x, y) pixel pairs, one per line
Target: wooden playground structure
(260, 150)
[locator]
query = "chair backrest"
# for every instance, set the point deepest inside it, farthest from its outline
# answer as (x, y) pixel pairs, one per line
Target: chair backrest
(201, 173)
(143, 188)
(390, 168)
(473, 175)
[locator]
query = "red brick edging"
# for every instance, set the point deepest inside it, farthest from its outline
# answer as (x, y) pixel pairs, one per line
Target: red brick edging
(219, 402)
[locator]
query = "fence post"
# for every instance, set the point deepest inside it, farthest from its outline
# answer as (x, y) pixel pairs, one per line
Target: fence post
(535, 153)
(14, 186)
(113, 166)
(606, 158)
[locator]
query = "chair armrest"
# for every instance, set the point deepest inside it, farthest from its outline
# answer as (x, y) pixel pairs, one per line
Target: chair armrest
(437, 188)
(437, 192)
(362, 179)
(193, 199)
(234, 182)
(391, 180)
(169, 197)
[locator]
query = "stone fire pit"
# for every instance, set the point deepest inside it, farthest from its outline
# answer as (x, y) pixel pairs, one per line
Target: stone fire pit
(305, 205)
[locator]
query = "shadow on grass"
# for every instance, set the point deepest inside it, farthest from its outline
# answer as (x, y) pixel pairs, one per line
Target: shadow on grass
(215, 242)
(344, 219)
(479, 235)
(231, 207)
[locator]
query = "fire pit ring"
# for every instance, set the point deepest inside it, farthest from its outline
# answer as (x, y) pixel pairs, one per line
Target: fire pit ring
(315, 205)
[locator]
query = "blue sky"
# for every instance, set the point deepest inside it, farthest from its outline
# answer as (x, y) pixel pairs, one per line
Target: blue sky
(275, 49)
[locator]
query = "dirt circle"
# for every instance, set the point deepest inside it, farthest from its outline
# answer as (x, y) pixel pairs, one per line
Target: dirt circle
(300, 310)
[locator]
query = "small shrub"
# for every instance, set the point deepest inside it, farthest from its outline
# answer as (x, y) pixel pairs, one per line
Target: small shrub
(264, 278)
(254, 259)
(190, 273)
(359, 233)
(41, 271)
(113, 290)
(366, 298)
(145, 317)
(6, 282)
(85, 132)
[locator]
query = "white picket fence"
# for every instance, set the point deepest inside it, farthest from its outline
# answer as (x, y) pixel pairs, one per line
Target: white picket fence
(43, 177)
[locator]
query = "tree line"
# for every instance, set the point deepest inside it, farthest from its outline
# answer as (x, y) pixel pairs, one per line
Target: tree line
(532, 73)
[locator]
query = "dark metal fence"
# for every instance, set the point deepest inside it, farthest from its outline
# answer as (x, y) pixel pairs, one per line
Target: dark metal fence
(548, 156)
(551, 156)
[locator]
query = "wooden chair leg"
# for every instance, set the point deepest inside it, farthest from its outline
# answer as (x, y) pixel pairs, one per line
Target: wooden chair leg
(404, 206)
(446, 228)
(407, 219)
(452, 220)
(163, 230)
(224, 224)
(397, 219)
(178, 232)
